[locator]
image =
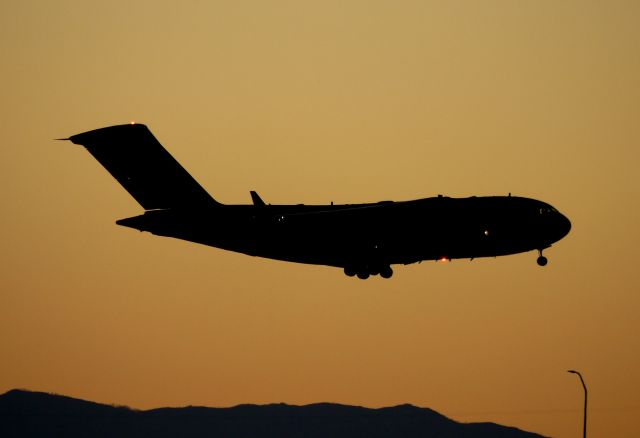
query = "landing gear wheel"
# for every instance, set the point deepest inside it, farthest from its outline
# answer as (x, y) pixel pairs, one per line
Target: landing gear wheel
(386, 272)
(363, 275)
(349, 272)
(542, 260)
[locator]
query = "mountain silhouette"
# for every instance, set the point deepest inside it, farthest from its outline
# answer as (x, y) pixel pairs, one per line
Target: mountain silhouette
(38, 414)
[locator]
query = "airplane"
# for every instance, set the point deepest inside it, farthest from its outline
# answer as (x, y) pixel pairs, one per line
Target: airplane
(362, 239)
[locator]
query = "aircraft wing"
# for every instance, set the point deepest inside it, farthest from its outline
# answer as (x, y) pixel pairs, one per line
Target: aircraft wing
(347, 215)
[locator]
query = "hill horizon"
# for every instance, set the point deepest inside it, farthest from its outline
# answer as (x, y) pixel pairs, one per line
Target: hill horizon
(32, 413)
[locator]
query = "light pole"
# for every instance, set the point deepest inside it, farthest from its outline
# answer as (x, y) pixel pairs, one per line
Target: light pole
(584, 426)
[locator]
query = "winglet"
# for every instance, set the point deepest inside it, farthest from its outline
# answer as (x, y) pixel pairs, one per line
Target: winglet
(257, 201)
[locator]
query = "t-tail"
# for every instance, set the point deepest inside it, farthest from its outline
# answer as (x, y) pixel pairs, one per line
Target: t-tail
(144, 168)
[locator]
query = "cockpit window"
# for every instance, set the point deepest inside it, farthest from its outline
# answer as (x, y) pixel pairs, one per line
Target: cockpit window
(547, 210)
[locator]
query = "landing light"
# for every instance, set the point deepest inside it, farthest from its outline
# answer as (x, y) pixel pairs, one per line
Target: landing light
(444, 259)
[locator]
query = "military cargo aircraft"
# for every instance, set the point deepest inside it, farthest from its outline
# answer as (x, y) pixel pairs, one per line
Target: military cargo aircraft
(362, 239)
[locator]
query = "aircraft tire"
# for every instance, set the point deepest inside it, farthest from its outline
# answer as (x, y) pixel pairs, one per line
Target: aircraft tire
(542, 261)
(349, 272)
(363, 275)
(386, 272)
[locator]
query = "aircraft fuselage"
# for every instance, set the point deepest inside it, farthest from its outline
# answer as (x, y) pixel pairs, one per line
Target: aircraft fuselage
(367, 235)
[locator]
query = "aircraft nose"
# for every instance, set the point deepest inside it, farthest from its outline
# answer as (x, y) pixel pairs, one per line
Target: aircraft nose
(554, 225)
(559, 226)
(564, 225)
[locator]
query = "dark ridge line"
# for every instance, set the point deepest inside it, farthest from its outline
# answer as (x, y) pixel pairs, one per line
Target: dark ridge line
(37, 414)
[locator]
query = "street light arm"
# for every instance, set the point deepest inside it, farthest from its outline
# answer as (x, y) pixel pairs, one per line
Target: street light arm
(584, 386)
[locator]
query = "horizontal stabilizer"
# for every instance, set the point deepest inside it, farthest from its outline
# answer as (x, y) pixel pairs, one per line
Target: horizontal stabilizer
(143, 167)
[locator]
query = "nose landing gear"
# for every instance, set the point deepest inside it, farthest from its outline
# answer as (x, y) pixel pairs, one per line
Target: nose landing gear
(542, 260)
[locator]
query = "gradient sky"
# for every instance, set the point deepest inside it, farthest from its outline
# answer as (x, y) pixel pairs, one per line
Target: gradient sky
(344, 101)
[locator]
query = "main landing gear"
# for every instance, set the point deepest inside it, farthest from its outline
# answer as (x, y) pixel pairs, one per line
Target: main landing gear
(367, 271)
(542, 260)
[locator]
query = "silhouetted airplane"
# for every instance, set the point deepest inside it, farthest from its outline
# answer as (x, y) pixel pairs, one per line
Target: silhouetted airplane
(363, 239)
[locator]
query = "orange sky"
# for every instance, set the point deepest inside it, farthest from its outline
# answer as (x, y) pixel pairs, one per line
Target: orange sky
(315, 102)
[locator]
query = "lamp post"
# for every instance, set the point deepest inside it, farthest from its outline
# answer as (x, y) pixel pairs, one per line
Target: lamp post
(584, 426)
